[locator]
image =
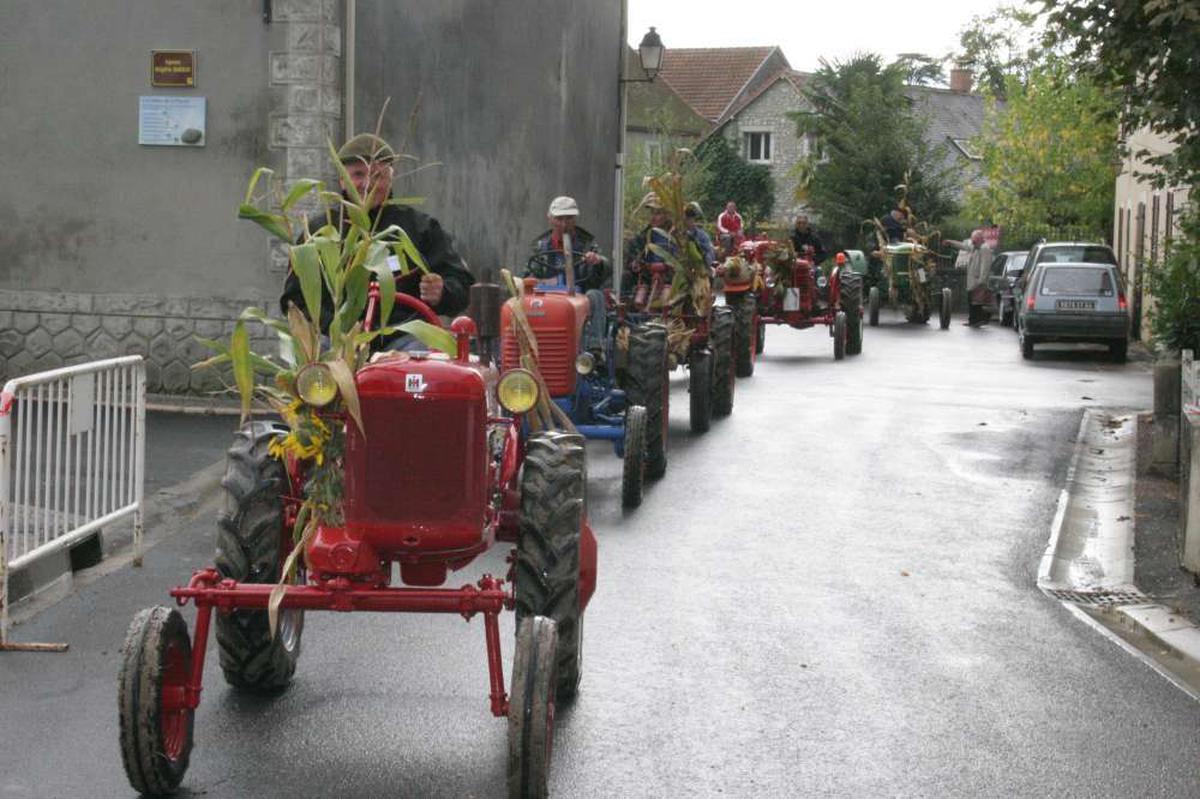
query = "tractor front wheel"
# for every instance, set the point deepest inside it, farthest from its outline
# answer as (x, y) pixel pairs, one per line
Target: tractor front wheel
(700, 377)
(760, 334)
(647, 383)
(852, 304)
(531, 708)
(547, 567)
(155, 719)
(839, 335)
(633, 473)
(744, 344)
(944, 311)
(250, 549)
(724, 374)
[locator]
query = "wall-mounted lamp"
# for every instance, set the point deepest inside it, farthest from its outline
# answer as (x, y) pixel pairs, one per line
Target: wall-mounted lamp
(650, 53)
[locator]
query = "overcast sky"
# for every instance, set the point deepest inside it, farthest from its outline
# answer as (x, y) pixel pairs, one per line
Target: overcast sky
(808, 31)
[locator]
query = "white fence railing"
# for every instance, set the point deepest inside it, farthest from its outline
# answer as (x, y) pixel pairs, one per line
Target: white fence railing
(72, 455)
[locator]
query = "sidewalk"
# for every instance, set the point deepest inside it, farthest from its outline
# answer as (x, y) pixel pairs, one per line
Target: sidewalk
(1113, 555)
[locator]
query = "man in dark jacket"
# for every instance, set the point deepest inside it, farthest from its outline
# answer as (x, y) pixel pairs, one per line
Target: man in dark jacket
(591, 268)
(368, 162)
(804, 236)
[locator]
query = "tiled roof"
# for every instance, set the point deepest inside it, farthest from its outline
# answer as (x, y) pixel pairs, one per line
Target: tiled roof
(709, 78)
(794, 77)
(952, 115)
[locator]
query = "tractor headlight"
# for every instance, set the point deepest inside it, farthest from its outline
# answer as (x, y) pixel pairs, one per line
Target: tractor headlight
(316, 386)
(518, 391)
(585, 363)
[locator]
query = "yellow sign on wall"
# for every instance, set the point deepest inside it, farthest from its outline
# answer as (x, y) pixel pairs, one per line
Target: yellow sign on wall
(173, 69)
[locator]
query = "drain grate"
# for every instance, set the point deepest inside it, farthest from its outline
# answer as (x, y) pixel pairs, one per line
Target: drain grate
(1100, 599)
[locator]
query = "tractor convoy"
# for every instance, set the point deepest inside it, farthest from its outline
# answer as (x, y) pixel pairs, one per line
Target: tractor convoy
(391, 470)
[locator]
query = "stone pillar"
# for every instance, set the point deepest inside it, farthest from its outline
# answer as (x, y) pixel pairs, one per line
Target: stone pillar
(1189, 490)
(1167, 394)
(306, 96)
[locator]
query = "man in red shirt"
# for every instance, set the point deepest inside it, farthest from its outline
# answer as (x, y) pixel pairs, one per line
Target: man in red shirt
(729, 227)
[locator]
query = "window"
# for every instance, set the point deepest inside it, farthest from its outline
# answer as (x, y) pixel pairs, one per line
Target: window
(758, 147)
(1076, 254)
(1077, 280)
(654, 153)
(964, 146)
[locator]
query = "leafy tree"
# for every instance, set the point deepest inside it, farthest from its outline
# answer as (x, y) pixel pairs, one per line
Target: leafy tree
(1001, 45)
(1050, 155)
(867, 140)
(1175, 284)
(1149, 50)
(728, 176)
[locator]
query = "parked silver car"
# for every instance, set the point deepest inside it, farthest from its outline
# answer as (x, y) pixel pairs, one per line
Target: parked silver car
(1078, 302)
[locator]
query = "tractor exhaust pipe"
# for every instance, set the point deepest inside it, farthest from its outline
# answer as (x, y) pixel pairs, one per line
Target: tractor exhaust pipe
(486, 301)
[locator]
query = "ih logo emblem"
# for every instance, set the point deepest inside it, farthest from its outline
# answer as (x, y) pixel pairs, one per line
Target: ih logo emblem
(414, 384)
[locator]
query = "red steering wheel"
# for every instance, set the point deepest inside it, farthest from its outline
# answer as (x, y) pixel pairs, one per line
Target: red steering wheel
(407, 300)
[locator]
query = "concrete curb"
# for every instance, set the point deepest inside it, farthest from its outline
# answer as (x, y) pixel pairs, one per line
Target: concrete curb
(1088, 563)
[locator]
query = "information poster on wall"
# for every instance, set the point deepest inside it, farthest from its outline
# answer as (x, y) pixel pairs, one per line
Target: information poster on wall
(171, 121)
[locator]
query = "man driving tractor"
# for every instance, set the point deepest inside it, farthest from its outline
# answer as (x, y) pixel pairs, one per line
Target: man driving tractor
(592, 271)
(368, 162)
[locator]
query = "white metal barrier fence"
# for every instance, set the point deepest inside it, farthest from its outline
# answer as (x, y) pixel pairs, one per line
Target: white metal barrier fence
(72, 455)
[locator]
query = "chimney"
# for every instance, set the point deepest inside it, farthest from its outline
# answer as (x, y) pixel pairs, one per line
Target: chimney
(960, 80)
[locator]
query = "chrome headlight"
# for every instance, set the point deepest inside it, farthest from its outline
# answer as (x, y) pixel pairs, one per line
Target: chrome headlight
(585, 363)
(316, 386)
(517, 391)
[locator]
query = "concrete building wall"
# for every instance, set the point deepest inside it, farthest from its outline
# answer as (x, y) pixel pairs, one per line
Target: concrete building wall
(112, 247)
(518, 102)
(1144, 219)
(768, 113)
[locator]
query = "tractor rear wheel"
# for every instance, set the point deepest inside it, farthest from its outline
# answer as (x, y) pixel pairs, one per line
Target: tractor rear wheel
(633, 472)
(873, 306)
(250, 549)
(547, 567)
(647, 383)
(744, 344)
(700, 378)
(531, 708)
(724, 374)
(944, 311)
(839, 335)
(155, 720)
(851, 292)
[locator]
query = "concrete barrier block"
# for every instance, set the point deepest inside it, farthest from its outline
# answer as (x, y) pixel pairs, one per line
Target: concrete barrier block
(1189, 491)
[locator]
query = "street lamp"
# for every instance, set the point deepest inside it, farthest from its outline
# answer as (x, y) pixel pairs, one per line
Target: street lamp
(650, 53)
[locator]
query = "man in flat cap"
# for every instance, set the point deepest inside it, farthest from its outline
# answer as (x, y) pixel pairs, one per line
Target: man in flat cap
(591, 268)
(368, 163)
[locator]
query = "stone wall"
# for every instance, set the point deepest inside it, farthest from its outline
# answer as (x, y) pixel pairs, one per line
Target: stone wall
(42, 330)
(767, 112)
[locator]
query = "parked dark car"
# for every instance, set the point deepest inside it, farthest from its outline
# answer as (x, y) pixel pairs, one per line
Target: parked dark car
(1074, 302)
(1006, 268)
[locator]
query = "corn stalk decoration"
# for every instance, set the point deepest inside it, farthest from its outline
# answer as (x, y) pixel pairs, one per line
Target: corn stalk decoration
(921, 242)
(691, 287)
(341, 257)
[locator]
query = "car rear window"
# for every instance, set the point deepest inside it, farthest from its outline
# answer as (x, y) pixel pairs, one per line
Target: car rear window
(1084, 280)
(1016, 262)
(1077, 255)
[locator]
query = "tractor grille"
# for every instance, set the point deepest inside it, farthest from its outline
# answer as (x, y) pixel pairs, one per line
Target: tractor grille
(556, 358)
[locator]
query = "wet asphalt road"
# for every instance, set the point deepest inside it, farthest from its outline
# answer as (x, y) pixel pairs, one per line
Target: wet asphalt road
(832, 593)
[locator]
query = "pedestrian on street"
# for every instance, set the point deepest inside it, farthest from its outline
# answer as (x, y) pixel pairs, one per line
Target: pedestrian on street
(804, 236)
(979, 259)
(591, 268)
(368, 162)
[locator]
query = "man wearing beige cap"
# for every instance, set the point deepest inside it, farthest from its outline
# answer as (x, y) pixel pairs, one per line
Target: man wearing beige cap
(591, 268)
(367, 160)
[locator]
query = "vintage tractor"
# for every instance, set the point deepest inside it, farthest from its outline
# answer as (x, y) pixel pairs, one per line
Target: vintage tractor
(768, 284)
(905, 275)
(697, 338)
(440, 475)
(609, 377)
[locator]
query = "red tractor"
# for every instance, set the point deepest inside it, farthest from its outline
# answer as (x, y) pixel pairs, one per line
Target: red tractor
(768, 284)
(440, 477)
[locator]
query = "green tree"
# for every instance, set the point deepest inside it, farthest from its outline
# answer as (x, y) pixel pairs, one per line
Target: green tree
(727, 176)
(867, 138)
(1149, 51)
(1050, 155)
(1001, 45)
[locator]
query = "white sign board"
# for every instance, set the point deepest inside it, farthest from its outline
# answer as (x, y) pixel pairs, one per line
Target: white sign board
(171, 121)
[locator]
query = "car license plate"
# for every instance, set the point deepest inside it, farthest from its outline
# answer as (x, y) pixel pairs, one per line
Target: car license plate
(1075, 305)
